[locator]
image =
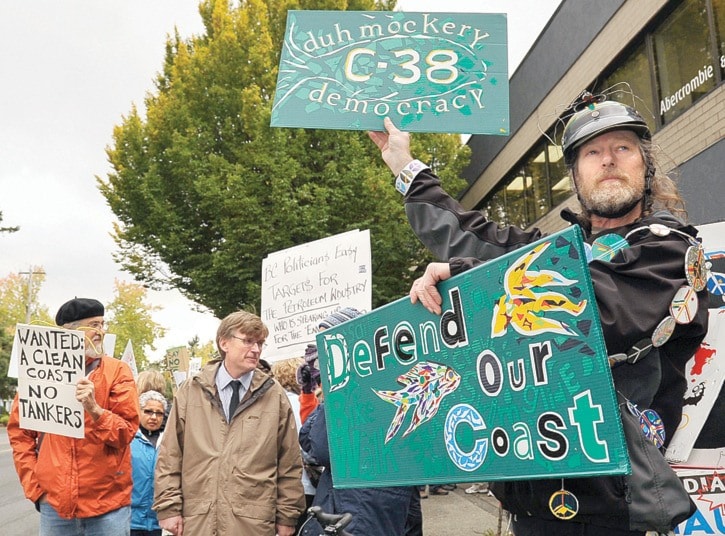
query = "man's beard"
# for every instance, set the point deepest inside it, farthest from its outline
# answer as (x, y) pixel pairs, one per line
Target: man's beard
(611, 202)
(94, 350)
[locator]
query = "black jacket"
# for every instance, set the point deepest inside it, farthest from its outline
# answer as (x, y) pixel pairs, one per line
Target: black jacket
(633, 292)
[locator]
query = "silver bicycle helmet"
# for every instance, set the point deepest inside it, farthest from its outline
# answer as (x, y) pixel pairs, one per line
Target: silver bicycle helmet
(596, 118)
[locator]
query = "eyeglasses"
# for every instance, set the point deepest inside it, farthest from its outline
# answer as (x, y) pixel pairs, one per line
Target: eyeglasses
(98, 326)
(151, 412)
(247, 342)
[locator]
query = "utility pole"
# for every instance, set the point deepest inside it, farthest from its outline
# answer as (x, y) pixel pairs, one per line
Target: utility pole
(29, 293)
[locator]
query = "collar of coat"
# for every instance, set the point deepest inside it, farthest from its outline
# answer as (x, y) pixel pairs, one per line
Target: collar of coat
(261, 383)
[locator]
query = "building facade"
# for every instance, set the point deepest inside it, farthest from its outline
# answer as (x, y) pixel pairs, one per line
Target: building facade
(665, 58)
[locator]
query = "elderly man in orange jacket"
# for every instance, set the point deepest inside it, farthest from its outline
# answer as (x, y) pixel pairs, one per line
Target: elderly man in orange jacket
(83, 486)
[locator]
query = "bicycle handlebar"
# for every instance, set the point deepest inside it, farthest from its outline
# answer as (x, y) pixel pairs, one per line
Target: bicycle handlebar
(331, 523)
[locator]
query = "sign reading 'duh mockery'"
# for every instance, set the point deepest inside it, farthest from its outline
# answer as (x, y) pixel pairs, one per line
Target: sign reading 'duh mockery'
(510, 382)
(429, 72)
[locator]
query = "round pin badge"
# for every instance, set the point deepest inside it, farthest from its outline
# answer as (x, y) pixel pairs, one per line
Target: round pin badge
(716, 284)
(696, 267)
(563, 504)
(639, 350)
(606, 247)
(652, 427)
(663, 332)
(684, 305)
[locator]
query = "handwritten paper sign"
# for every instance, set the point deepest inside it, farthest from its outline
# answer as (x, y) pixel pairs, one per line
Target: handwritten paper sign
(511, 382)
(429, 72)
(50, 363)
(304, 284)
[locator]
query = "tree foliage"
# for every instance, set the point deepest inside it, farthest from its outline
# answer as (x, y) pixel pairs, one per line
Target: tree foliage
(204, 189)
(130, 318)
(19, 299)
(18, 304)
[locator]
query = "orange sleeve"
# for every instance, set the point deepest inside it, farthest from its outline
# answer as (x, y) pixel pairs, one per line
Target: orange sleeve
(308, 402)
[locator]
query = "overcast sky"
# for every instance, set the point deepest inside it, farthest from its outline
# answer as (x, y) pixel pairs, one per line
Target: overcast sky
(71, 69)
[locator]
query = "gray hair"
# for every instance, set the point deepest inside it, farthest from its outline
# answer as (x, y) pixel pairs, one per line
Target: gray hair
(152, 395)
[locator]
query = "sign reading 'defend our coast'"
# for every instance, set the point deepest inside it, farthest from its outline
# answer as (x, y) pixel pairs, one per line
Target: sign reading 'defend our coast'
(429, 72)
(510, 382)
(50, 363)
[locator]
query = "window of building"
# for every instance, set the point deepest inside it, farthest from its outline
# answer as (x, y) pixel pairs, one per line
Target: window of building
(631, 83)
(495, 208)
(539, 183)
(663, 73)
(683, 59)
(718, 10)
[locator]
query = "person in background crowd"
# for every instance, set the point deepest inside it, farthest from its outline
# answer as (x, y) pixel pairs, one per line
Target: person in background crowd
(153, 380)
(83, 486)
(478, 487)
(625, 200)
(308, 378)
(236, 468)
(143, 461)
(432, 489)
(393, 511)
(285, 372)
(308, 373)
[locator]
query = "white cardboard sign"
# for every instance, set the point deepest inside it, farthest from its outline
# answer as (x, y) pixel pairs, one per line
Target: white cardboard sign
(50, 363)
(304, 284)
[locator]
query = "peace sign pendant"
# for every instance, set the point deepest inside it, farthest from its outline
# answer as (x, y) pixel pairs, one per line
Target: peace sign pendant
(563, 504)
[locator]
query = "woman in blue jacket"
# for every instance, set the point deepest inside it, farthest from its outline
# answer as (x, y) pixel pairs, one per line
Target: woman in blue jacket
(143, 462)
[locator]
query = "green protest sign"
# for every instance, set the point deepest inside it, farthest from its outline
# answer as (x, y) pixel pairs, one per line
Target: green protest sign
(511, 382)
(429, 72)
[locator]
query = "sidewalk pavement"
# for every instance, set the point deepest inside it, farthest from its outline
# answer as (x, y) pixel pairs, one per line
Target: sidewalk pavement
(461, 514)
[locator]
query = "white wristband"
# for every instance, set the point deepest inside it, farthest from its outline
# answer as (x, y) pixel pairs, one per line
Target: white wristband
(407, 174)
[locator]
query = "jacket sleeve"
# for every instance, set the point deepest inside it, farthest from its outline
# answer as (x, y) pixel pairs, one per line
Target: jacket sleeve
(117, 426)
(290, 493)
(168, 497)
(308, 402)
(23, 443)
(448, 230)
(634, 291)
(316, 437)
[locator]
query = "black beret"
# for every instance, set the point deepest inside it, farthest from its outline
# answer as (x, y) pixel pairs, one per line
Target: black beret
(78, 309)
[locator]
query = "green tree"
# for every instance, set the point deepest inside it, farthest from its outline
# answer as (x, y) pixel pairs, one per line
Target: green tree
(129, 318)
(204, 189)
(18, 303)
(207, 352)
(19, 299)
